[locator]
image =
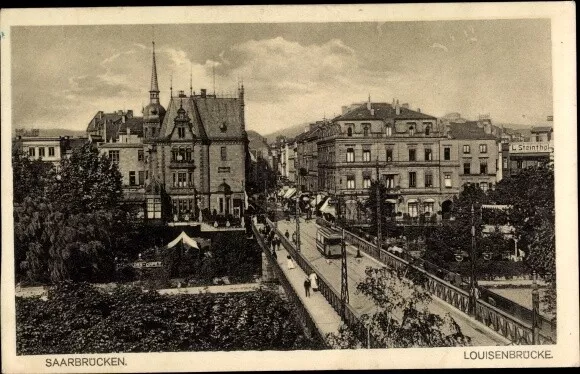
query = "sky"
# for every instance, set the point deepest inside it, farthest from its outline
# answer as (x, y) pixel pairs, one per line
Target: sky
(293, 73)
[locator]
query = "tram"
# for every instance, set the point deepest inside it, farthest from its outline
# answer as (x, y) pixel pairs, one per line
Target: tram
(328, 242)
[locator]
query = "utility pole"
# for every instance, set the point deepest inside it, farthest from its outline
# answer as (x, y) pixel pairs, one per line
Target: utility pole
(297, 223)
(535, 309)
(473, 281)
(379, 212)
(344, 276)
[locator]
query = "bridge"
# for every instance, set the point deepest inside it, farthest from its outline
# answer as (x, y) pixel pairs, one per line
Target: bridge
(320, 313)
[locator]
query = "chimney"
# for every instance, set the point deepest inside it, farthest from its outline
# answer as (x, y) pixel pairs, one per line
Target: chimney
(418, 110)
(120, 112)
(203, 92)
(130, 114)
(397, 108)
(312, 126)
(123, 118)
(405, 105)
(487, 127)
(344, 109)
(128, 132)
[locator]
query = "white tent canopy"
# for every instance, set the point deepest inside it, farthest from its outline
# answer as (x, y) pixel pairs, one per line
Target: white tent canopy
(185, 238)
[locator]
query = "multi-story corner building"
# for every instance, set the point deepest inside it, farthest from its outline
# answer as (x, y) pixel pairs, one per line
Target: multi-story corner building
(401, 145)
(291, 149)
(187, 160)
(423, 162)
(477, 152)
(523, 154)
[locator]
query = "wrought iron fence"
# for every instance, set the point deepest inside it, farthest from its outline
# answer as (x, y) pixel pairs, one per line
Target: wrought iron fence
(508, 325)
(351, 319)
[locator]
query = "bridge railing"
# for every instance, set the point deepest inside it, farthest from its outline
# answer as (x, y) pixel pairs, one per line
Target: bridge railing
(505, 324)
(331, 294)
(303, 315)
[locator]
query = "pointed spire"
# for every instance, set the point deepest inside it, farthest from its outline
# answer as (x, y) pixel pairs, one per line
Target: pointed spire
(171, 85)
(190, 79)
(154, 83)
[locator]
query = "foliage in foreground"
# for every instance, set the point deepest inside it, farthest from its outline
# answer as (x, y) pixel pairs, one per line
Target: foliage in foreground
(402, 319)
(78, 318)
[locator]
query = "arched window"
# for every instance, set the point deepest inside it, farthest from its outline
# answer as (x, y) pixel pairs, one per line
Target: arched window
(188, 155)
(388, 130)
(366, 130)
(427, 130)
(411, 130)
(349, 131)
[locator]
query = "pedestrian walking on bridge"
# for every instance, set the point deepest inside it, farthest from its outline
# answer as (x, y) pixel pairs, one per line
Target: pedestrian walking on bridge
(307, 286)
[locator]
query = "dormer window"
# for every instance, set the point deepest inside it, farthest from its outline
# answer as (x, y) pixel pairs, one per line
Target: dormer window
(349, 131)
(427, 130)
(223, 126)
(411, 130)
(181, 132)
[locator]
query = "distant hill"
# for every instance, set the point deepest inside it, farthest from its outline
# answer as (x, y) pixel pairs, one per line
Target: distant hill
(256, 140)
(289, 132)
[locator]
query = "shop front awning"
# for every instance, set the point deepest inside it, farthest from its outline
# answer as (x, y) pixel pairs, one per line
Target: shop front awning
(411, 201)
(328, 209)
(429, 200)
(391, 201)
(290, 193)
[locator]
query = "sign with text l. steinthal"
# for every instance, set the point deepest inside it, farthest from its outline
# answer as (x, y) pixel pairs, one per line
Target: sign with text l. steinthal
(531, 147)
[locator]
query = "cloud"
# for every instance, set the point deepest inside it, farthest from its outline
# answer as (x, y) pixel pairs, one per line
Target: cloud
(452, 37)
(142, 46)
(439, 46)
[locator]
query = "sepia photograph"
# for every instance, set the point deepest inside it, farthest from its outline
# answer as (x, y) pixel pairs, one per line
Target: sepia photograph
(212, 182)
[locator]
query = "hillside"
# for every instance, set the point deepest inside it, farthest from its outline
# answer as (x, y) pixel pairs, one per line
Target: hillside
(256, 140)
(289, 132)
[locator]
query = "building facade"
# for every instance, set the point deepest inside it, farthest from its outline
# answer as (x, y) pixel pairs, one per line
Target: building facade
(187, 162)
(422, 161)
(539, 149)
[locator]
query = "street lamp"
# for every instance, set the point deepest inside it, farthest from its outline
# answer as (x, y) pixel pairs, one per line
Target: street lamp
(535, 309)
(297, 223)
(473, 281)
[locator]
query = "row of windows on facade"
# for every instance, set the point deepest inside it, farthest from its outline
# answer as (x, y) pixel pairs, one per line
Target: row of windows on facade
(366, 127)
(177, 155)
(41, 151)
(388, 181)
(428, 153)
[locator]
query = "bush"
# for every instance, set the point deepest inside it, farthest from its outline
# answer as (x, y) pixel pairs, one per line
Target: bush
(77, 318)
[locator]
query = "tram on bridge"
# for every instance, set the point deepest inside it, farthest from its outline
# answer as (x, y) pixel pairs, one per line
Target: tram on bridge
(328, 242)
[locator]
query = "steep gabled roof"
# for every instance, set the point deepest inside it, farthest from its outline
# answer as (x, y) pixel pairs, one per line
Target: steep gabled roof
(468, 130)
(188, 105)
(220, 117)
(135, 124)
(381, 111)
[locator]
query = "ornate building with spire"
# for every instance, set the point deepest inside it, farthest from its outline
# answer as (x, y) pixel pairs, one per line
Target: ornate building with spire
(183, 163)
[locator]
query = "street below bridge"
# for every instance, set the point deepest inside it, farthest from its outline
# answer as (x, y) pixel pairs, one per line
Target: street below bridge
(330, 269)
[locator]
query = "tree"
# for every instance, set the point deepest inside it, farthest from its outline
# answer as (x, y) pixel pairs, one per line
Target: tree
(87, 181)
(387, 226)
(30, 177)
(532, 213)
(402, 319)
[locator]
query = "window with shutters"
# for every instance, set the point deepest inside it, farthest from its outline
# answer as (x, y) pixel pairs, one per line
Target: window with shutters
(350, 155)
(350, 182)
(367, 155)
(412, 179)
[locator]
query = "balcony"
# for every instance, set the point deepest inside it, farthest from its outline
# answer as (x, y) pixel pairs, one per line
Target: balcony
(181, 164)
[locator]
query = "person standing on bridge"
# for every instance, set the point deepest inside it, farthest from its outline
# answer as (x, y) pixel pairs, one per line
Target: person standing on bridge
(287, 234)
(289, 262)
(307, 286)
(314, 281)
